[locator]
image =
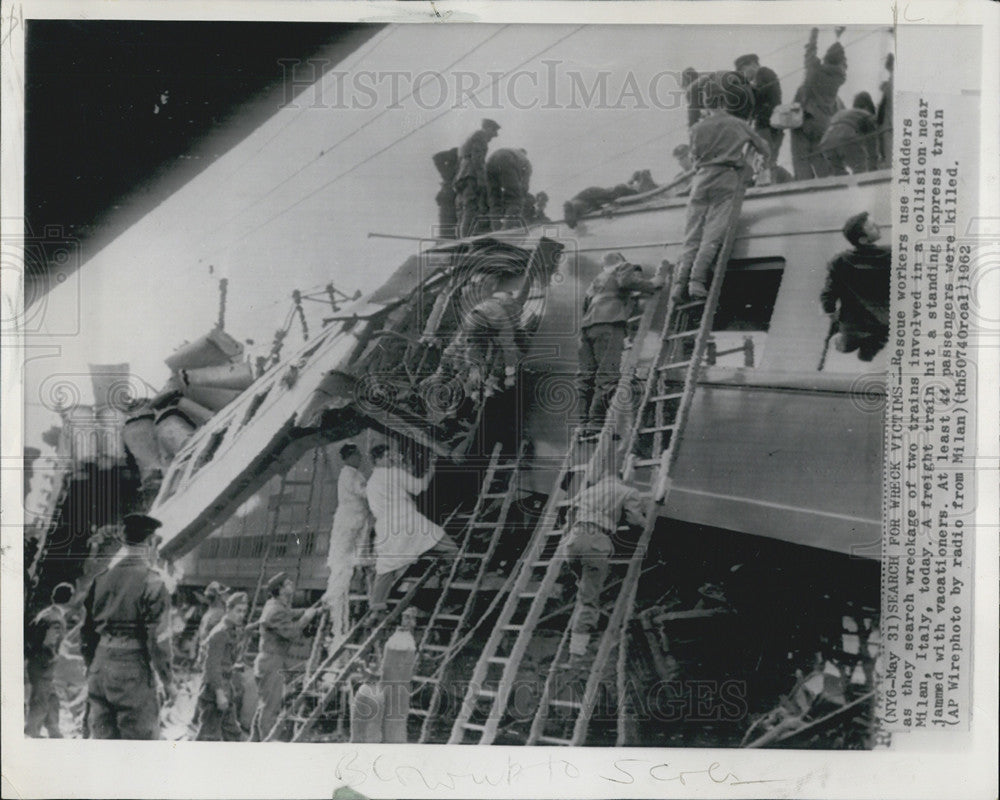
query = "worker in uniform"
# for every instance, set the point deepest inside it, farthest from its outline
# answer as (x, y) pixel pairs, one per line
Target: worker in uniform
(508, 177)
(606, 311)
(349, 537)
(851, 141)
(280, 628)
(42, 640)
(470, 181)
(402, 533)
(217, 695)
(215, 593)
(717, 144)
(766, 97)
(856, 293)
(125, 639)
(594, 516)
(818, 97)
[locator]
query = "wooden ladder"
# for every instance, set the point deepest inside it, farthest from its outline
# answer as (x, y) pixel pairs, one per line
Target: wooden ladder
(562, 718)
(439, 642)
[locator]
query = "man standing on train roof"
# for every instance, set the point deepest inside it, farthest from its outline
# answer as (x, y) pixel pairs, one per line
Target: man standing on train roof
(125, 638)
(349, 537)
(508, 178)
(607, 308)
(280, 629)
(717, 144)
(851, 141)
(818, 97)
(215, 593)
(767, 96)
(856, 294)
(594, 516)
(402, 533)
(217, 696)
(470, 181)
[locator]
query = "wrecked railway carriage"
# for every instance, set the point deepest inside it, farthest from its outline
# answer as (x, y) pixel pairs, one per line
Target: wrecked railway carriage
(768, 532)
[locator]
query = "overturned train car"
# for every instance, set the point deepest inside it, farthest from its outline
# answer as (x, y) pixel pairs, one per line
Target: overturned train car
(783, 443)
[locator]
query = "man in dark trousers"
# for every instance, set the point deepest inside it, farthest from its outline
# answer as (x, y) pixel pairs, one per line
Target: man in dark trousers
(125, 638)
(470, 181)
(766, 96)
(606, 310)
(280, 628)
(856, 294)
(818, 97)
(217, 697)
(447, 166)
(508, 176)
(717, 144)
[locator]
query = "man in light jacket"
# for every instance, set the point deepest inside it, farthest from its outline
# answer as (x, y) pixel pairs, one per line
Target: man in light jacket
(402, 533)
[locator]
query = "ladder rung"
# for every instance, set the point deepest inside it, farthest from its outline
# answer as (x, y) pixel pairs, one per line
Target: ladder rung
(420, 711)
(419, 679)
(498, 659)
(466, 585)
(439, 647)
(471, 726)
(492, 693)
(655, 428)
(673, 365)
(690, 304)
(554, 740)
(656, 398)
(512, 627)
(449, 617)
(566, 703)
(645, 462)
(682, 335)
(493, 495)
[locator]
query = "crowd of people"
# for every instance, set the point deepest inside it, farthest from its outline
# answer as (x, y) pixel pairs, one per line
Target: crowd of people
(826, 138)
(379, 532)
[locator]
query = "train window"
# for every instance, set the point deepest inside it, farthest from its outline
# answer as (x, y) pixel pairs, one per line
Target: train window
(743, 316)
(210, 449)
(176, 476)
(255, 405)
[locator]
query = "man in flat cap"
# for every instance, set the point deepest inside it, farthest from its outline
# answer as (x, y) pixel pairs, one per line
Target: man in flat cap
(470, 182)
(125, 638)
(280, 628)
(215, 593)
(217, 697)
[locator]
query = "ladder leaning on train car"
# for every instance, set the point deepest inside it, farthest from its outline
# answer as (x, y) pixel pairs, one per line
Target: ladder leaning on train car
(324, 679)
(667, 395)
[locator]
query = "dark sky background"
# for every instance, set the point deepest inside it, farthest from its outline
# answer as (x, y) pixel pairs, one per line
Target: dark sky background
(119, 114)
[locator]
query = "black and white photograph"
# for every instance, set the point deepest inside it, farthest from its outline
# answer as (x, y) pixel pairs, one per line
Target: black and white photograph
(416, 377)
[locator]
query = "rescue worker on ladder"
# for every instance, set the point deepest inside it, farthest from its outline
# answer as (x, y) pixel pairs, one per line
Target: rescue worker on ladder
(594, 515)
(470, 182)
(217, 697)
(717, 144)
(280, 628)
(125, 637)
(402, 533)
(606, 311)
